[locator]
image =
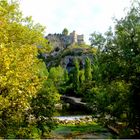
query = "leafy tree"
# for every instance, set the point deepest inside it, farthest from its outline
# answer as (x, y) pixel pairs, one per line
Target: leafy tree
(21, 73)
(97, 40)
(57, 75)
(65, 32)
(117, 71)
(128, 34)
(43, 108)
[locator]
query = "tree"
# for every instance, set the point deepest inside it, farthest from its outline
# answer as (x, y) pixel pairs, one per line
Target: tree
(57, 75)
(81, 77)
(66, 76)
(65, 32)
(76, 75)
(97, 40)
(117, 67)
(43, 108)
(128, 34)
(88, 74)
(21, 74)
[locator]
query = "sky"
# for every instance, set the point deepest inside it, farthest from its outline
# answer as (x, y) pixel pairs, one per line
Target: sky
(83, 16)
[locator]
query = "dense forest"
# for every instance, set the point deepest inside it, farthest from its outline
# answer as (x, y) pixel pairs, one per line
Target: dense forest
(109, 82)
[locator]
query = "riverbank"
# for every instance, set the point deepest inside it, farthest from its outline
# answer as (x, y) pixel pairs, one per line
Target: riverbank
(79, 127)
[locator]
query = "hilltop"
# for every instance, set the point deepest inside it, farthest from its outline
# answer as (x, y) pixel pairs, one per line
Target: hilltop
(65, 48)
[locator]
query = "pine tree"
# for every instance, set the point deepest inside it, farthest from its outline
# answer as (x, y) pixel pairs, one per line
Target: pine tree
(88, 74)
(66, 76)
(76, 75)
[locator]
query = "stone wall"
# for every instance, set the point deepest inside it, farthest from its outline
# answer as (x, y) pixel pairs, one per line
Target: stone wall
(62, 41)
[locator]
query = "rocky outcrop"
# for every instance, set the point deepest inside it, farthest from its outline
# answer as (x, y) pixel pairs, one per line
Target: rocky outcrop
(66, 57)
(75, 103)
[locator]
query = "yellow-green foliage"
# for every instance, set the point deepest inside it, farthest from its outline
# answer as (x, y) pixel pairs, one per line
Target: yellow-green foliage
(56, 74)
(20, 76)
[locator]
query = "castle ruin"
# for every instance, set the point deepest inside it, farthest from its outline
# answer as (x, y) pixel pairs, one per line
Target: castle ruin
(74, 38)
(62, 41)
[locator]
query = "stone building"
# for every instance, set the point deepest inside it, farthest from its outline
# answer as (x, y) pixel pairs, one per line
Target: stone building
(62, 41)
(79, 39)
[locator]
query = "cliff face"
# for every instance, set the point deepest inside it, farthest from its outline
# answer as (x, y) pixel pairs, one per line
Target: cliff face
(65, 57)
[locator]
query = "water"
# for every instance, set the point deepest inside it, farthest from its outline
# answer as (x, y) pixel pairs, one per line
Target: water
(68, 111)
(72, 117)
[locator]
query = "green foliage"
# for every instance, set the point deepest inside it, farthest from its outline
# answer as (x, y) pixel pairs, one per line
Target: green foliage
(111, 97)
(65, 32)
(88, 75)
(38, 121)
(79, 129)
(81, 77)
(43, 107)
(116, 71)
(82, 127)
(76, 75)
(66, 76)
(57, 75)
(97, 40)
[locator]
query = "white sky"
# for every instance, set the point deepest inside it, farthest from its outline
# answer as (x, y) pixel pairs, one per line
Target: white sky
(83, 16)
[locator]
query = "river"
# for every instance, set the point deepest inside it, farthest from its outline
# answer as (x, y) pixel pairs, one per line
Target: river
(73, 117)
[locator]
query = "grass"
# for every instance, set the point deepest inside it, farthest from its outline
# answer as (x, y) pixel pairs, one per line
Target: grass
(72, 130)
(82, 128)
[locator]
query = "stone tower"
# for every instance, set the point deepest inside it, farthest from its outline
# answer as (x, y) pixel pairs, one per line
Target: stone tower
(76, 38)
